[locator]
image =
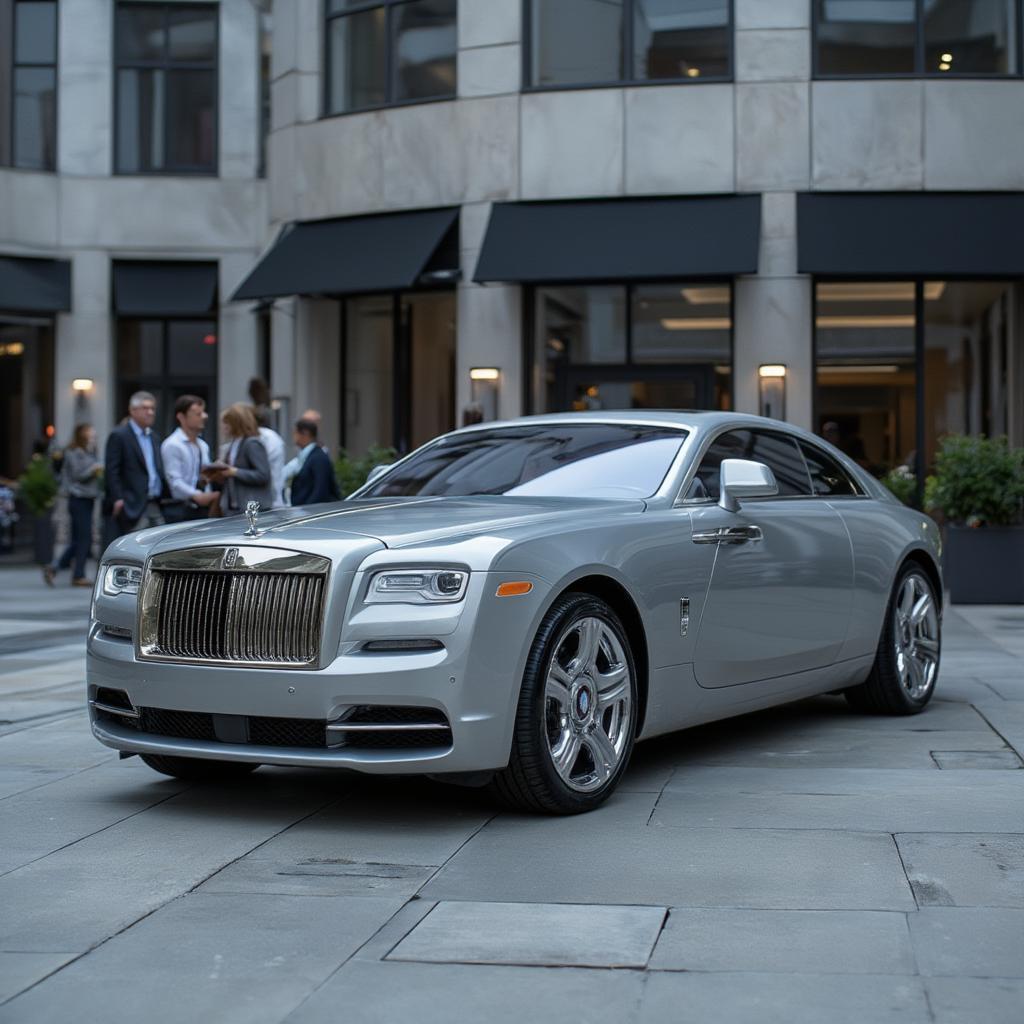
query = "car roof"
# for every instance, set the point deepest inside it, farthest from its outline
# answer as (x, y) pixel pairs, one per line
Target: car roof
(685, 419)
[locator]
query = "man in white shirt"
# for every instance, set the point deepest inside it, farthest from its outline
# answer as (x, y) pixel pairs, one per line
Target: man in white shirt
(274, 444)
(184, 454)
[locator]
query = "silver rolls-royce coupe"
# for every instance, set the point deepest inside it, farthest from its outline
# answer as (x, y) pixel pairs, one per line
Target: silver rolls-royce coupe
(515, 604)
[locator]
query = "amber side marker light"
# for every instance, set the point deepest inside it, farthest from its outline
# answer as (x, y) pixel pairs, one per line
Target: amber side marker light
(513, 589)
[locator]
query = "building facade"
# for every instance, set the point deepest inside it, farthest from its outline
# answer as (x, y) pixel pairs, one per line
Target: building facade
(811, 208)
(131, 205)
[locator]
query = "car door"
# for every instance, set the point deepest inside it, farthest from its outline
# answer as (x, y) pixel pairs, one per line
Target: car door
(782, 583)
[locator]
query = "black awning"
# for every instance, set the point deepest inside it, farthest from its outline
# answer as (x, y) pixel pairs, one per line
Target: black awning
(911, 234)
(31, 285)
(144, 288)
(350, 255)
(621, 239)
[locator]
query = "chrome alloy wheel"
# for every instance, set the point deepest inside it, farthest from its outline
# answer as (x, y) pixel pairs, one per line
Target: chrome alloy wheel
(588, 704)
(916, 636)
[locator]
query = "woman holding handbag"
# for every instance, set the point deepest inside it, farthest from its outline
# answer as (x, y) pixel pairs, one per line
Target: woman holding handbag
(243, 472)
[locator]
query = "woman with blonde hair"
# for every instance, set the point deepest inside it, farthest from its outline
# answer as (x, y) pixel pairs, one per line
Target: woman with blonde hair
(79, 480)
(244, 469)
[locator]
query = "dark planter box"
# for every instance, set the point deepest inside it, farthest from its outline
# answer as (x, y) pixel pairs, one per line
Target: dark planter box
(42, 539)
(984, 566)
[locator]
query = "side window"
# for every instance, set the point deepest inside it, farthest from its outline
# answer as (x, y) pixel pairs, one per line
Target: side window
(827, 476)
(782, 456)
(733, 445)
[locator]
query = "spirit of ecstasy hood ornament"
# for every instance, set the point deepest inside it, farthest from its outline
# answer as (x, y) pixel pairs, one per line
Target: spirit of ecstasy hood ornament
(252, 512)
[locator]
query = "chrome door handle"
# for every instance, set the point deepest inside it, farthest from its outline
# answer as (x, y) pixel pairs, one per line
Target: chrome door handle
(728, 535)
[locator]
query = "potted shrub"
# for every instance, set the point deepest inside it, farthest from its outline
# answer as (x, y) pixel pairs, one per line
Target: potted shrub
(352, 472)
(37, 487)
(978, 490)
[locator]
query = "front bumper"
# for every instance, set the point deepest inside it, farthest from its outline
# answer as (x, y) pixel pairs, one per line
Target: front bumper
(473, 682)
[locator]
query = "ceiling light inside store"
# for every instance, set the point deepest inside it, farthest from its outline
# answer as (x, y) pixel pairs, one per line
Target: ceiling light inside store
(947, 57)
(706, 296)
(944, 66)
(693, 72)
(878, 291)
(854, 368)
(696, 323)
(872, 322)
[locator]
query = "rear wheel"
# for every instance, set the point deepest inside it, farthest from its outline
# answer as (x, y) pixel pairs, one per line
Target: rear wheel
(198, 769)
(576, 718)
(906, 666)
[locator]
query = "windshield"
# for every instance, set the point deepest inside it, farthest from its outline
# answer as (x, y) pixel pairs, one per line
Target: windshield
(579, 460)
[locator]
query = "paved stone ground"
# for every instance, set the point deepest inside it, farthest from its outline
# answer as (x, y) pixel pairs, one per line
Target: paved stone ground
(802, 864)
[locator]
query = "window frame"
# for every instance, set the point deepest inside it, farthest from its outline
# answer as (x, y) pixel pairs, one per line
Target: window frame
(919, 72)
(9, 65)
(626, 78)
(166, 65)
(389, 59)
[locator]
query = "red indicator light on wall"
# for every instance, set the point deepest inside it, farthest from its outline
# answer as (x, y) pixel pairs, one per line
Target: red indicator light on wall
(209, 339)
(50, 430)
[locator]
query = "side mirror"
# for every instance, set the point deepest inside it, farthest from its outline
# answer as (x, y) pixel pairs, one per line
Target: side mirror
(377, 471)
(743, 478)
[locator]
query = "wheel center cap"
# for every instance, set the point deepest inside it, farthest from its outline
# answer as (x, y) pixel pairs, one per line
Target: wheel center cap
(582, 702)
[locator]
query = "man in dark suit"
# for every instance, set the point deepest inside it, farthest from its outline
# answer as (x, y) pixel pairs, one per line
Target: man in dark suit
(133, 469)
(313, 480)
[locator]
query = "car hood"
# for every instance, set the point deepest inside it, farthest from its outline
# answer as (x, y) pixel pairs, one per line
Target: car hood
(392, 522)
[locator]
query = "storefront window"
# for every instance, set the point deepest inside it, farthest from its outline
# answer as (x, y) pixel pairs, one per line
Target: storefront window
(589, 42)
(900, 364)
(26, 384)
(168, 357)
(399, 370)
(916, 37)
(649, 346)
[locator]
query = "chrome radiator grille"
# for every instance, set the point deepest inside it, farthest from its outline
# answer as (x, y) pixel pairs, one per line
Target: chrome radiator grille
(253, 613)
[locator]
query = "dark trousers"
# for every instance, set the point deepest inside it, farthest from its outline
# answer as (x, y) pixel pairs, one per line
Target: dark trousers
(80, 510)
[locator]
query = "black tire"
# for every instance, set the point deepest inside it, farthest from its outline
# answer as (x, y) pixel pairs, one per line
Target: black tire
(883, 692)
(198, 769)
(531, 782)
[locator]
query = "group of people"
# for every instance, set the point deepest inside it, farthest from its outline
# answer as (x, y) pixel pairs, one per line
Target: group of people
(148, 481)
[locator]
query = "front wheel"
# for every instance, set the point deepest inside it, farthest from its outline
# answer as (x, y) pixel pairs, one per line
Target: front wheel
(198, 769)
(902, 679)
(576, 717)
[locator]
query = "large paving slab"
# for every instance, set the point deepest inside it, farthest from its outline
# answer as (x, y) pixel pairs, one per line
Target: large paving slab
(19, 971)
(965, 870)
(869, 799)
(115, 876)
(245, 959)
(978, 942)
(972, 1000)
(579, 860)
(784, 999)
(390, 992)
(534, 934)
(1007, 717)
(40, 821)
(787, 941)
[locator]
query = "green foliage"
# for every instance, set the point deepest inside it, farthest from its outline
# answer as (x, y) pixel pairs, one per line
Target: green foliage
(902, 484)
(978, 481)
(352, 472)
(38, 486)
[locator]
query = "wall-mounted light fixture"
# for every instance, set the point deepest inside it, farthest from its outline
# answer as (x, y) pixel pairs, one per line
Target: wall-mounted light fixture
(485, 384)
(82, 385)
(771, 380)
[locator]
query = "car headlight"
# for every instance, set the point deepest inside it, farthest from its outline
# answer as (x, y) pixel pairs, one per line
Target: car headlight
(121, 579)
(417, 586)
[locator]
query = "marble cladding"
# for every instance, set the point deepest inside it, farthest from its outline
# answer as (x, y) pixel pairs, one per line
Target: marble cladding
(680, 140)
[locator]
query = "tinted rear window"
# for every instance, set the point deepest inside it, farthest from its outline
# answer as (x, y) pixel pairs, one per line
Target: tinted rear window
(827, 476)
